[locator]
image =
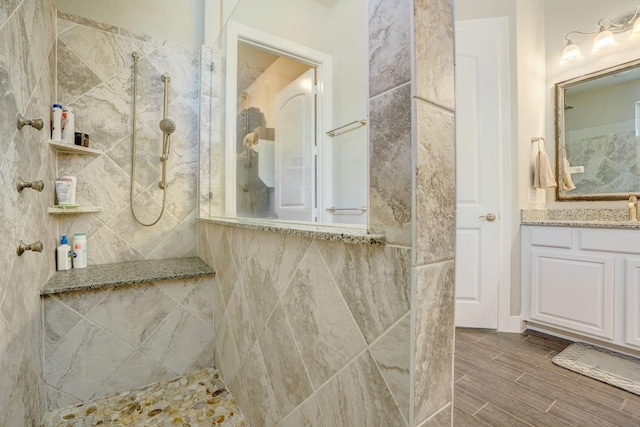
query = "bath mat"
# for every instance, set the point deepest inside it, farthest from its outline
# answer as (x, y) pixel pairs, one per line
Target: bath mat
(616, 369)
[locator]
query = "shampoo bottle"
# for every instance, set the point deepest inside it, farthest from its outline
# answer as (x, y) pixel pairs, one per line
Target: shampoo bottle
(79, 250)
(56, 123)
(64, 255)
(68, 126)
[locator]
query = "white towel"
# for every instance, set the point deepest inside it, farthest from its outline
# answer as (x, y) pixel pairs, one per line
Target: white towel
(543, 175)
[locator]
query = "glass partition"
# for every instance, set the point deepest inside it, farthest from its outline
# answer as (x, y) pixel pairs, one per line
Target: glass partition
(289, 112)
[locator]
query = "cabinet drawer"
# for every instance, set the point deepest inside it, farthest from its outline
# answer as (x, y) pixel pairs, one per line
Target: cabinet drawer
(573, 291)
(551, 237)
(610, 241)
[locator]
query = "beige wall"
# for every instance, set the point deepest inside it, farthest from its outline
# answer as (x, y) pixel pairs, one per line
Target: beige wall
(180, 22)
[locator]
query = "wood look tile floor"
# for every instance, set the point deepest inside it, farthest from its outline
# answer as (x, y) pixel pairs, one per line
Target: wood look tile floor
(504, 379)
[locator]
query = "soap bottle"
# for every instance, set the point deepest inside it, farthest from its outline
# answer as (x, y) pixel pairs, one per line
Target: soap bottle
(63, 253)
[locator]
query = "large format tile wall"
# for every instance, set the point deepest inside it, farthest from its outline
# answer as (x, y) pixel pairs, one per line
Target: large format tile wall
(105, 341)
(311, 332)
(412, 124)
(27, 86)
(434, 194)
(95, 77)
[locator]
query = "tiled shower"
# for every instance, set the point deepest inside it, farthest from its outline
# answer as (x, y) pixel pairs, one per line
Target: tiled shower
(393, 305)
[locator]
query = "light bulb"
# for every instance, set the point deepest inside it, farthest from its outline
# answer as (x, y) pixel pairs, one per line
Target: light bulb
(635, 33)
(603, 41)
(570, 54)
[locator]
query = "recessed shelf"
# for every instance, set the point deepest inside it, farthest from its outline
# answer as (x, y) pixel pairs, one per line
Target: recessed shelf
(73, 149)
(75, 210)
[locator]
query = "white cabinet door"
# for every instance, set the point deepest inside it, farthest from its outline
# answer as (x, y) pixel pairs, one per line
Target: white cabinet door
(573, 291)
(632, 301)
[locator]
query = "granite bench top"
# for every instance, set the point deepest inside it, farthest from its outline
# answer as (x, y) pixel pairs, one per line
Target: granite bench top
(354, 236)
(107, 275)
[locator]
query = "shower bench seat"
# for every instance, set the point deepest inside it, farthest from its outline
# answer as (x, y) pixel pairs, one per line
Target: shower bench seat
(116, 327)
(126, 273)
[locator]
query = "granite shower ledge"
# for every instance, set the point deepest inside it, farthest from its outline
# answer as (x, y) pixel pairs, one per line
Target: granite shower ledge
(615, 225)
(356, 236)
(111, 275)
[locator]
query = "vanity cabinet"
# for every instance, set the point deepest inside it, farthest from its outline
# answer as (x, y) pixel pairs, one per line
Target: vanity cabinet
(583, 281)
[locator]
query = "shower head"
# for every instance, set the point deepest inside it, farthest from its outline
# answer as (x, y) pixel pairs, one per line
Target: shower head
(167, 126)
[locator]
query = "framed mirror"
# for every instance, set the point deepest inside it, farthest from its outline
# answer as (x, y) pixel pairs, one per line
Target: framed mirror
(598, 135)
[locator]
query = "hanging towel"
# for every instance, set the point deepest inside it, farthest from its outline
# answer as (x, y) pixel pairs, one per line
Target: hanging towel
(543, 175)
(566, 176)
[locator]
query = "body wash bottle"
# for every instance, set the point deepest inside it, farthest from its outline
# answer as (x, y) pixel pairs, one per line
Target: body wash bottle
(64, 255)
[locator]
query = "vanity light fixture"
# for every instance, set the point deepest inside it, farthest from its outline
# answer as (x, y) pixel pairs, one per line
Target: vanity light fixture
(604, 39)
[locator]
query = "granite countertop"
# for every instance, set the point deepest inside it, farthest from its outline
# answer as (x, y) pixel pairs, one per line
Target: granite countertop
(105, 275)
(585, 218)
(357, 236)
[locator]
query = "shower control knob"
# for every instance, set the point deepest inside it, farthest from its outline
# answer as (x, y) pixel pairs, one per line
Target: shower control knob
(35, 247)
(490, 217)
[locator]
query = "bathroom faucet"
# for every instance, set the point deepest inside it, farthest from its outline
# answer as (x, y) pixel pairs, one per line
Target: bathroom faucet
(633, 208)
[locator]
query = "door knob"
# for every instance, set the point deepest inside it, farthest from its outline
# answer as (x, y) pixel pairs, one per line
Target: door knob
(489, 217)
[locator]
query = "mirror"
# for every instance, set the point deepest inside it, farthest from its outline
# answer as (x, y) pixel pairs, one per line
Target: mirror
(597, 135)
(295, 112)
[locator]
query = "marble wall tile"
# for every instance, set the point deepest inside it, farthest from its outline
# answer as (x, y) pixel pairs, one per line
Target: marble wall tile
(148, 151)
(105, 53)
(259, 291)
(392, 354)
(9, 366)
(200, 300)
(435, 184)
(375, 283)
(58, 319)
(178, 331)
(84, 358)
(263, 410)
(178, 289)
(132, 312)
(434, 338)
(148, 210)
(25, 404)
(240, 320)
(6, 9)
(27, 68)
(204, 360)
(390, 177)
(58, 399)
(289, 379)
(281, 254)
(389, 45)
(97, 58)
(316, 311)
(358, 395)
(308, 414)
(441, 419)
(227, 357)
(106, 247)
(137, 371)
(434, 57)
(225, 269)
(74, 78)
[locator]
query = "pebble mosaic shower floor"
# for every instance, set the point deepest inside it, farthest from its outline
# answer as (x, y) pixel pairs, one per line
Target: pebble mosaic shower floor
(195, 400)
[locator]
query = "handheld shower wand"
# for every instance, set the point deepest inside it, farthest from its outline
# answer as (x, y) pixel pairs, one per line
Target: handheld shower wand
(167, 126)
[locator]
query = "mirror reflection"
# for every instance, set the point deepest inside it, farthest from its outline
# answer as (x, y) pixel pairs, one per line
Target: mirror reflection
(598, 118)
(296, 111)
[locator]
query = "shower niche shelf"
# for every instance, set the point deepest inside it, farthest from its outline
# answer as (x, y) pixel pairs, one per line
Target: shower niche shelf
(73, 211)
(73, 149)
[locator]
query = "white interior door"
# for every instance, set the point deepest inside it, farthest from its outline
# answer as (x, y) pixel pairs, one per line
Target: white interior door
(294, 150)
(481, 101)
